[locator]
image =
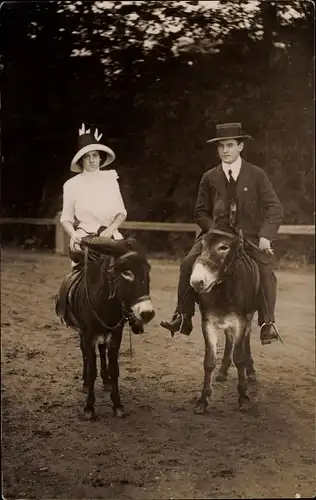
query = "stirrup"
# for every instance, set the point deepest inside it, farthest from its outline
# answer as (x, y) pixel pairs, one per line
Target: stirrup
(179, 319)
(271, 323)
(277, 332)
(175, 316)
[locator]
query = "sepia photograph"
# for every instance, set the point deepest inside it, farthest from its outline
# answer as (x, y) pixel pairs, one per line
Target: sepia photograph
(157, 249)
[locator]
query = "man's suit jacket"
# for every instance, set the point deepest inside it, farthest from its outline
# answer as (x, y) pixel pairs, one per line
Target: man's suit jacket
(260, 211)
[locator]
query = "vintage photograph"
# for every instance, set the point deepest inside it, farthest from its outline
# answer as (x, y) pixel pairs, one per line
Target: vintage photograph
(157, 249)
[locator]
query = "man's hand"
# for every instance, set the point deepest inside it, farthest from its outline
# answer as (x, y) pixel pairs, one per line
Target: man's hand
(265, 246)
(107, 233)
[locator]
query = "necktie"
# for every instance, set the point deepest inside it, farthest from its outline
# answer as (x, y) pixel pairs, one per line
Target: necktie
(232, 202)
(232, 185)
(230, 177)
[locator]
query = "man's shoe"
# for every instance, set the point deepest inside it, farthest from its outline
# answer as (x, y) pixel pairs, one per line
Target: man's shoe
(268, 333)
(180, 323)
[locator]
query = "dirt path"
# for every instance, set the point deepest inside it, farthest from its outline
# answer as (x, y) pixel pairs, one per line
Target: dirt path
(162, 449)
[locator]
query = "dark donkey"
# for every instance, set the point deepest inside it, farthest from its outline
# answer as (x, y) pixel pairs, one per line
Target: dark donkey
(227, 282)
(113, 285)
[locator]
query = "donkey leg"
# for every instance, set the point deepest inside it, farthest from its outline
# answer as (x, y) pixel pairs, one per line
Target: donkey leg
(84, 366)
(239, 358)
(118, 408)
(107, 386)
(227, 357)
(210, 333)
(250, 371)
(89, 350)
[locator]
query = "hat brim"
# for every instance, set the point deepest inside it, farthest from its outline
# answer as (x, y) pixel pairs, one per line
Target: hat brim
(216, 139)
(110, 156)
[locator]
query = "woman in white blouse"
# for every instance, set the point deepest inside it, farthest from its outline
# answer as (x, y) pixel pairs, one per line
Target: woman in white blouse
(92, 197)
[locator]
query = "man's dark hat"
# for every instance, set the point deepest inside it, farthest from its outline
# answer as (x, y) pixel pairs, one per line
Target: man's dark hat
(229, 131)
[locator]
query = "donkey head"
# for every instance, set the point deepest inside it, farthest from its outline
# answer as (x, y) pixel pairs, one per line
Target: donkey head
(131, 273)
(208, 267)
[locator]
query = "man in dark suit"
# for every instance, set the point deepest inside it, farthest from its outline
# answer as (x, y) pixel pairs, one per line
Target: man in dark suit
(259, 215)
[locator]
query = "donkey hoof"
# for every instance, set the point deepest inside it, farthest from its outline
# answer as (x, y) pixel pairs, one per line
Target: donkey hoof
(200, 407)
(89, 415)
(221, 377)
(244, 404)
(119, 412)
(107, 386)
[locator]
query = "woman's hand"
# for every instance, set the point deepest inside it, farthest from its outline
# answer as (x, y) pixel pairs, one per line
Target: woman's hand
(75, 240)
(107, 233)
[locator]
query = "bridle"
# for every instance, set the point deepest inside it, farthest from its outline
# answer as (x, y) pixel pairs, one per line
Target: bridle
(238, 256)
(112, 289)
(225, 268)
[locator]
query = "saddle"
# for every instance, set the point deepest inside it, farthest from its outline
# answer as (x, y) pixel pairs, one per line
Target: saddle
(62, 300)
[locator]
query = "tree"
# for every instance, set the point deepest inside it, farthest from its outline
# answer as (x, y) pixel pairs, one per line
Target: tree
(155, 77)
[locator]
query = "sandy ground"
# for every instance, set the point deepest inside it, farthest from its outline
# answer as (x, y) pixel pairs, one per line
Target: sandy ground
(162, 449)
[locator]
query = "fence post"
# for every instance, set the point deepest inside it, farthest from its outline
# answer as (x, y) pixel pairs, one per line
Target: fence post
(61, 237)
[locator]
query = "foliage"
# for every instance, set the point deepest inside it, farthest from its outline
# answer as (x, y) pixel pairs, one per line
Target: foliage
(156, 77)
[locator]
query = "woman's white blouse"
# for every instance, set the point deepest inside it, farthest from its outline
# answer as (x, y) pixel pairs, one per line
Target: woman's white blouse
(94, 199)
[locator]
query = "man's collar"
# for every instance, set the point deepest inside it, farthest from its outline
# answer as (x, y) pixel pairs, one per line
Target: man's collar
(235, 166)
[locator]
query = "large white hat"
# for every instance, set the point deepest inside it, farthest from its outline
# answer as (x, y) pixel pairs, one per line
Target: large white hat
(88, 142)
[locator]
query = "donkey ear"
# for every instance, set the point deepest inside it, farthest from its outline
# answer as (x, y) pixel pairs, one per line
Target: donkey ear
(134, 246)
(131, 243)
(105, 245)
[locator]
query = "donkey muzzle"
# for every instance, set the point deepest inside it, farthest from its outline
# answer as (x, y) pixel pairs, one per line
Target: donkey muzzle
(143, 309)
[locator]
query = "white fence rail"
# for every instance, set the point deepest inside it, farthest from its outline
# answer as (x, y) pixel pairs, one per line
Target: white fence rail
(62, 239)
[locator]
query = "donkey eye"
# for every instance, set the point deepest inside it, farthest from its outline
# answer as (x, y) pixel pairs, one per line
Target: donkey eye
(128, 275)
(223, 248)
